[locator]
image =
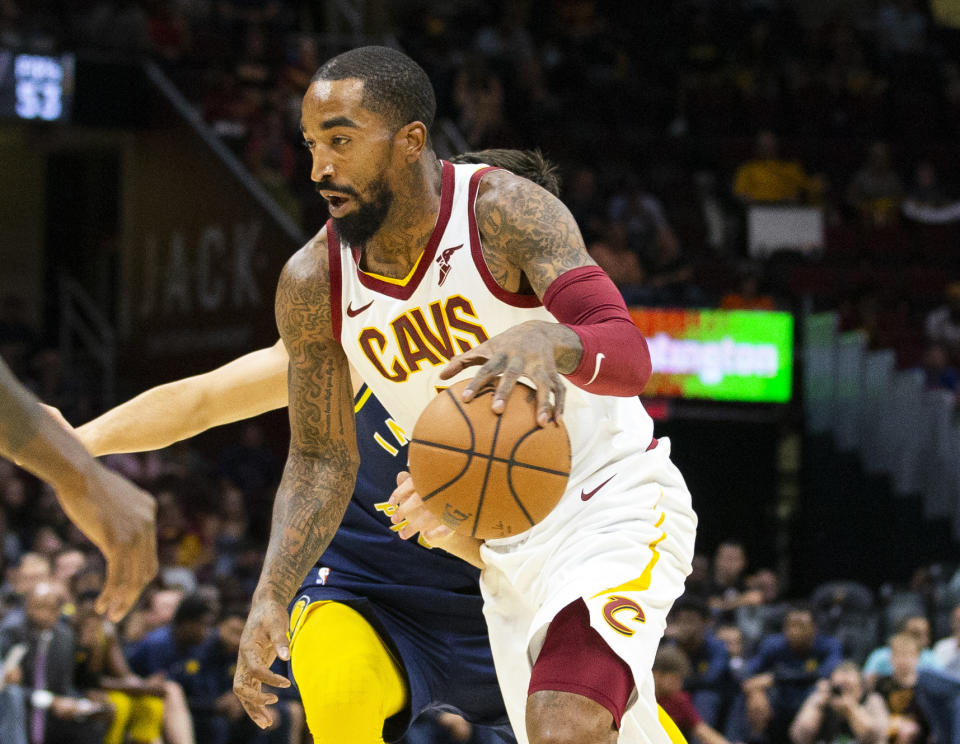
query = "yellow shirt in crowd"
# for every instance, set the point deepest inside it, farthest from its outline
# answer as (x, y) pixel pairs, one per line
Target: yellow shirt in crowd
(771, 181)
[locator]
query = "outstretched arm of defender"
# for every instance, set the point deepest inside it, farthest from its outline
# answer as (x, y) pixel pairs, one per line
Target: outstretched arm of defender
(319, 475)
(246, 387)
(528, 235)
(91, 495)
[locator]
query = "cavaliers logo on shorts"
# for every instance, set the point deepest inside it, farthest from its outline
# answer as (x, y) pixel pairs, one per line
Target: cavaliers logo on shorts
(625, 607)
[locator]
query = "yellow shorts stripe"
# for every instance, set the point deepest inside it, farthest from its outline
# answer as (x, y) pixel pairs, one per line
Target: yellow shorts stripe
(674, 734)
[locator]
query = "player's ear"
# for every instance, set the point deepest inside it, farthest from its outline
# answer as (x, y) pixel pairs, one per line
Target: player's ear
(412, 139)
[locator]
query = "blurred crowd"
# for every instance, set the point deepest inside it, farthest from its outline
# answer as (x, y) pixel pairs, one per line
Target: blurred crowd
(670, 124)
(740, 663)
(671, 121)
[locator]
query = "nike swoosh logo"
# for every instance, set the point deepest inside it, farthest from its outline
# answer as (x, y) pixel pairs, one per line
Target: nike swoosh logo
(587, 495)
(596, 370)
(354, 313)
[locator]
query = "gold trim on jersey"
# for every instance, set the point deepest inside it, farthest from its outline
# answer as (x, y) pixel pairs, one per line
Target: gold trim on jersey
(392, 280)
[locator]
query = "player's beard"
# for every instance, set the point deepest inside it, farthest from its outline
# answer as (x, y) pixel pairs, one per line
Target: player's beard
(357, 227)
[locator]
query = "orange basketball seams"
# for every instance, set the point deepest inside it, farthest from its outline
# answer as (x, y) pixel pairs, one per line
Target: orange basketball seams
(485, 475)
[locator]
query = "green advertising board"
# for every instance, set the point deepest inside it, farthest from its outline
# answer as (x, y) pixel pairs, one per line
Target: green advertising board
(729, 355)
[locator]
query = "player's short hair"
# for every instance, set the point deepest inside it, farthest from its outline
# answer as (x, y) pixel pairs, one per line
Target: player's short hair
(671, 660)
(394, 86)
(530, 164)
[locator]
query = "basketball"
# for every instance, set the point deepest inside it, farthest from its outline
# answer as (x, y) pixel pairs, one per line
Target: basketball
(487, 475)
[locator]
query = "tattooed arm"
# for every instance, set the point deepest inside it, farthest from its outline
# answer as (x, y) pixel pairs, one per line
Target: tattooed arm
(529, 238)
(91, 495)
(319, 475)
(530, 241)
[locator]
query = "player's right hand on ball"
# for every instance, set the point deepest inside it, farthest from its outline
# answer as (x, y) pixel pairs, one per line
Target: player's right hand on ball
(264, 638)
(413, 515)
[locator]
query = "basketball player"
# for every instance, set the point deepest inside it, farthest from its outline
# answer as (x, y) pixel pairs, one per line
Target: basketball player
(425, 269)
(407, 621)
(91, 495)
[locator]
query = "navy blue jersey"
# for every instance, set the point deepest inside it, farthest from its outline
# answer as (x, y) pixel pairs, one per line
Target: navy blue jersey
(425, 603)
(366, 553)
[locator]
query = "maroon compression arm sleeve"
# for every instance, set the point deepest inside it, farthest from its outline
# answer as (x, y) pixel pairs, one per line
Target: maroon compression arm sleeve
(615, 358)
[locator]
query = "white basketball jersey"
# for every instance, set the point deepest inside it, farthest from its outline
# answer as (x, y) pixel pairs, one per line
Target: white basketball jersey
(399, 334)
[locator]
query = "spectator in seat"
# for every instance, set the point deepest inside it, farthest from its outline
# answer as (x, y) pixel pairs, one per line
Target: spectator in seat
(732, 637)
(102, 672)
(927, 201)
(156, 608)
(670, 668)
(841, 710)
(729, 588)
(908, 724)
(34, 569)
(901, 28)
(926, 190)
(880, 661)
(760, 611)
(708, 682)
(47, 709)
(769, 179)
(747, 294)
(648, 231)
(940, 374)
(480, 98)
(780, 677)
(946, 651)
(876, 191)
(942, 325)
(174, 649)
(623, 266)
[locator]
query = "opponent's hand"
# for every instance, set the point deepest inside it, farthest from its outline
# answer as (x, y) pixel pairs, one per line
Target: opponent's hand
(410, 511)
(527, 350)
(264, 638)
(121, 520)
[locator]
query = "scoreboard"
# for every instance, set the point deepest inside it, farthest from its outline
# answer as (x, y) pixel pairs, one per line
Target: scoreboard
(36, 87)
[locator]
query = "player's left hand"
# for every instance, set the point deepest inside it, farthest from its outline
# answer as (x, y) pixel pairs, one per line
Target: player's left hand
(528, 350)
(264, 638)
(413, 515)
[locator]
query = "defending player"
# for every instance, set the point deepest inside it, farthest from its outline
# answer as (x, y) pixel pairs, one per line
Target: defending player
(391, 600)
(420, 262)
(91, 495)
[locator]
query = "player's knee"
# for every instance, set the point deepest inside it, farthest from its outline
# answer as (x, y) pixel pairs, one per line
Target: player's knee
(566, 718)
(336, 682)
(344, 698)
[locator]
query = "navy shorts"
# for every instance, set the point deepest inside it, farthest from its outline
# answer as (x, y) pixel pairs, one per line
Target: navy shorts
(446, 660)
